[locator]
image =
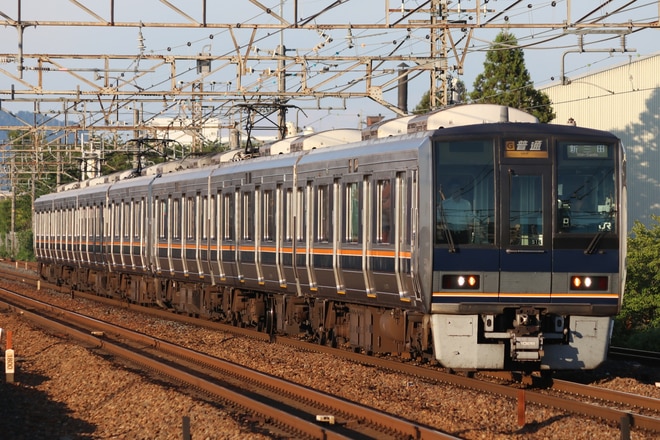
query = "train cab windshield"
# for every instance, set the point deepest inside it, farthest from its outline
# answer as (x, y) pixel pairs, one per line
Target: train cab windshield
(586, 188)
(579, 176)
(465, 197)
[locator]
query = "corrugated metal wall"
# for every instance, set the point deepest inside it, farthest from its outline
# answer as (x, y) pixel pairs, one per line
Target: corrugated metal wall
(624, 100)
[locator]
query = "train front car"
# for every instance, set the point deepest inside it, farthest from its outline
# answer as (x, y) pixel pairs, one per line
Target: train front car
(529, 254)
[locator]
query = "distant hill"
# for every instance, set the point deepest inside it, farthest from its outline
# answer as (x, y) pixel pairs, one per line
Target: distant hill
(7, 119)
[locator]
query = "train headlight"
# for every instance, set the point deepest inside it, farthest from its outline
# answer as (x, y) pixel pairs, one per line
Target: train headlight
(584, 282)
(460, 282)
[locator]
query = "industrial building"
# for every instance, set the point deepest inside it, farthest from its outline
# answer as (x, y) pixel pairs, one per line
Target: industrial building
(624, 100)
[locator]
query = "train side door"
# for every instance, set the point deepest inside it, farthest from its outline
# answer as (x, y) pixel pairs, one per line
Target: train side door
(525, 234)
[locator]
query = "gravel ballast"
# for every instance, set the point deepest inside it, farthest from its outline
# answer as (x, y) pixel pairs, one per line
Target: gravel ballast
(64, 391)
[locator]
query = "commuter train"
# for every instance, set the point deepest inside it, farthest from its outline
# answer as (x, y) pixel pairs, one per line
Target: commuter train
(475, 236)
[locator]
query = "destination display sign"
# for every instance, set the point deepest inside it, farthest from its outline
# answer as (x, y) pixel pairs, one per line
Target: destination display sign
(526, 149)
(586, 151)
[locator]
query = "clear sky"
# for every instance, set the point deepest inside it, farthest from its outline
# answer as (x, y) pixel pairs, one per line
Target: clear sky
(545, 49)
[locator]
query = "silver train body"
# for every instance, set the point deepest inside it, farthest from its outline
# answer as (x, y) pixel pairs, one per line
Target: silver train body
(352, 243)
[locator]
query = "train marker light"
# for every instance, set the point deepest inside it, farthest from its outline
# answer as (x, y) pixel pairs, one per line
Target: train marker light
(583, 282)
(460, 282)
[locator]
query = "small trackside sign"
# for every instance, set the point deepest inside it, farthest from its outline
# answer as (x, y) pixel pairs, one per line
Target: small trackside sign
(9, 365)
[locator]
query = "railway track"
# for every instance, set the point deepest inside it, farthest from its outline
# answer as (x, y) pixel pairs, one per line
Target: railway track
(279, 405)
(625, 410)
(650, 357)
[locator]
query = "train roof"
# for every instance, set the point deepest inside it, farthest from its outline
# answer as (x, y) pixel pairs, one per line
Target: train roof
(468, 114)
(387, 128)
(278, 147)
(502, 128)
(474, 115)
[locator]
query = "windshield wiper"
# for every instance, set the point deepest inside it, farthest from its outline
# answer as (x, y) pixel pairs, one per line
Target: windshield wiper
(447, 232)
(597, 238)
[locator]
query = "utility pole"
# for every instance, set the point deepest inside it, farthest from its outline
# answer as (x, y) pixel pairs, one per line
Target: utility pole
(281, 79)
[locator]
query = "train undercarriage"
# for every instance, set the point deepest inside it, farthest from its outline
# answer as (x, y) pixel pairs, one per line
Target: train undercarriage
(374, 330)
(521, 339)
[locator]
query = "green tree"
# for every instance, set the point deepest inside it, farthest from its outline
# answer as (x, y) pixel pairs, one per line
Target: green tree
(506, 81)
(638, 324)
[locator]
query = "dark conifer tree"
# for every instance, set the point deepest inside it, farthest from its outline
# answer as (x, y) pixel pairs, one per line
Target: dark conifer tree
(506, 81)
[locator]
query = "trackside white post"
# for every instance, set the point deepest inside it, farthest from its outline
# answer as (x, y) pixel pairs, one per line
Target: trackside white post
(9, 360)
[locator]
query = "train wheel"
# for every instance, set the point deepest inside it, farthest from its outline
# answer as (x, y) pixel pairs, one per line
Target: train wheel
(270, 318)
(333, 338)
(322, 337)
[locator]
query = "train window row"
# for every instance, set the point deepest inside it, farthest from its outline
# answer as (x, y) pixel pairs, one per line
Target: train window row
(352, 210)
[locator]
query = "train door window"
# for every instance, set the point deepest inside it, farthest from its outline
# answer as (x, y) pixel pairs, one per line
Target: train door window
(88, 225)
(176, 218)
(76, 225)
(213, 217)
(287, 220)
(61, 232)
(190, 218)
(301, 212)
(218, 224)
(114, 215)
(322, 211)
(228, 216)
(155, 213)
(96, 221)
(70, 226)
(119, 206)
(268, 210)
(137, 218)
(66, 221)
(126, 216)
(130, 219)
(384, 215)
(352, 204)
(526, 210)
(163, 218)
(135, 213)
(67, 227)
(247, 226)
(401, 207)
(58, 227)
(204, 218)
(167, 218)
(134, 208)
